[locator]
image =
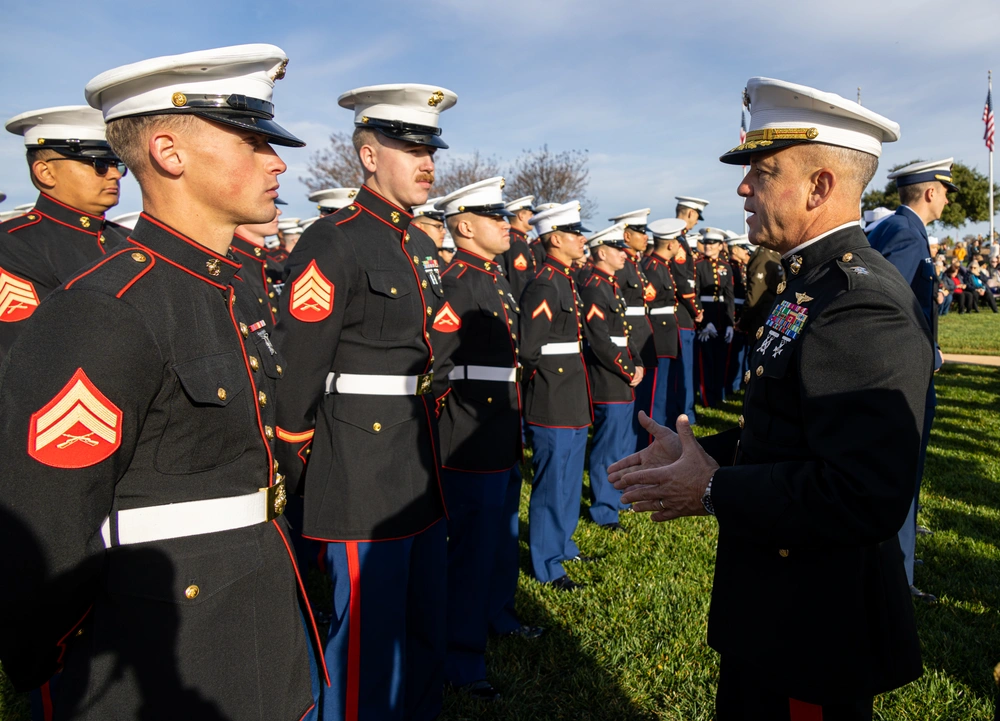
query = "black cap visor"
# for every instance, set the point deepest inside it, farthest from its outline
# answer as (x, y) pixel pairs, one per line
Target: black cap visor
(572, 228)
(84, 149)
(740, 155)
(407, 132)
(265, 126)
(620, 244)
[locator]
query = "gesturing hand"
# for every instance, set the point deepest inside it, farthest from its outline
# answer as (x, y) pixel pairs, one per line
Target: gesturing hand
(674, 490)
(664, 450)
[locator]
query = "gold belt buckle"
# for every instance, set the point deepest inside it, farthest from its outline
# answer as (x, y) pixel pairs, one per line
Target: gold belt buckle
(276, 499)
(424, 383)
(519, 374)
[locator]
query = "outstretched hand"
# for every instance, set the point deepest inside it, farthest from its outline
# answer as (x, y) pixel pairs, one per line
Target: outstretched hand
(668, 490)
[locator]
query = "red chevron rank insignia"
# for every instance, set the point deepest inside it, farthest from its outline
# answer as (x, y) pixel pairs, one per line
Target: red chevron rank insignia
(312, 296)
(520, 262)
(650, 293)
(78, 428)
(594, 310)
(18, 298)
(447, 320)
(543, 307)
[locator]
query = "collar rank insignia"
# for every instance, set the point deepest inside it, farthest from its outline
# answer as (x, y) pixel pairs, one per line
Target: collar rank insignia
(312, 296)
(447, 320)
(18, 298)
(80, 427)
(520, 262)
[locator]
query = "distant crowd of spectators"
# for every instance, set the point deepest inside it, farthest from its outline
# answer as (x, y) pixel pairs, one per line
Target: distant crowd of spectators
(969, 276)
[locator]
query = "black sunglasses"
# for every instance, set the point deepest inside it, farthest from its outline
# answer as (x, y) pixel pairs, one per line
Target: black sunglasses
(101, 165)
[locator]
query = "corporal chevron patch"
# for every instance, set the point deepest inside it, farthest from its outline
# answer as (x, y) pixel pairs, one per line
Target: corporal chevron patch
(18, 298)
(312, 296)
(80, 427)
(447, 320)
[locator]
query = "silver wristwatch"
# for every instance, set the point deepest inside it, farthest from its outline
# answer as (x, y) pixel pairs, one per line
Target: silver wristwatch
(706, 500)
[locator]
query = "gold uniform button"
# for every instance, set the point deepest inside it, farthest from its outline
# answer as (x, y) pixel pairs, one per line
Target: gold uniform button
(222, 394)
(760, 332)
(560, 370)
(279, 369)
(256, 251)
(847, 258)
(139, 257)
(742, 421)
(746, 377)
(254, 363)
(489, 400)
(423, 284)
(416, 259)
(102, 240)
(244, 330)
(495, 314)
(269, 432)
(376, 426)
(781, 287)
(429, 310)
(393, 291)
(760, 371)
(783, 552)
(262, 398)
(32, 217)
(191, 592)
(270, 295)
(500, 292)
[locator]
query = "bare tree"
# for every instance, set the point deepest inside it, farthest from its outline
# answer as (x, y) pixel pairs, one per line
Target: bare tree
(454, 173)
(335, 166)
(551, 177)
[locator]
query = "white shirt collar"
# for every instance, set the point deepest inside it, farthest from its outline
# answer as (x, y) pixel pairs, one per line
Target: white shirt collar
(796, 249)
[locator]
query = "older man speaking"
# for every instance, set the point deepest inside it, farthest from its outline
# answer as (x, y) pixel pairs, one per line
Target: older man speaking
(811, 489)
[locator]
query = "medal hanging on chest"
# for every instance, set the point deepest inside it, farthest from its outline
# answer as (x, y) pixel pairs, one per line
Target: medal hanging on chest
(432, 270)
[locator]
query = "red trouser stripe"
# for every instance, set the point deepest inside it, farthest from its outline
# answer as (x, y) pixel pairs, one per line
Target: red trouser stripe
(354, 634)
(46, 693)
(802, 711)
(652, 399)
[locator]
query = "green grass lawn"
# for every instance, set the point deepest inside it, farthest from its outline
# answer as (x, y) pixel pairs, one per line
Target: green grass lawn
(632, 644)
(974, 334)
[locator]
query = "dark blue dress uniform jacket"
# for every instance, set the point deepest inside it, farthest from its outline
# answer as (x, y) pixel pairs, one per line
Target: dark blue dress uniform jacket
(818, 479)
(664, 294)
(146, 380)
(610, 367)
(518, 263)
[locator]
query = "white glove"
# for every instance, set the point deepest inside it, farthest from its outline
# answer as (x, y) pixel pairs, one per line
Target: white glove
(729, 334)
(703, 336)
(712, 332)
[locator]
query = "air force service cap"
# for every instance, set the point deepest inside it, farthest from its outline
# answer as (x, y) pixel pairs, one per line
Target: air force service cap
(698, 204)
(564, 217)
(404, 111)
(784, 114)
(926, 172)
(634, 219)
(613, 236)
(525, 203)
(666, 228)
(331, 199)
(231, 85)
(482, 198)
(76, 131)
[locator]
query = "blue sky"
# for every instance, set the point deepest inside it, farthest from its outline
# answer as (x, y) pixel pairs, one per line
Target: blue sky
(650, 89)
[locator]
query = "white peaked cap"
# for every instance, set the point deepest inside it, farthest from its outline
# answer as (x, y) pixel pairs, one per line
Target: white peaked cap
(686, 201)
(546, 206)
(304, 224)
(66, 122)
(24, 207)
(666, 228)
(783, 114)
(428, 209)
(634, 218)
(333, 198)
(713, 235)
(232, 85)
(734, 239)
(127, 219)
(693, 239)
(877, 214)
(613, 236)
(448, 243)
(525, 203)
(407, 111)
(486, 196)
(286, 224)
(561, 217)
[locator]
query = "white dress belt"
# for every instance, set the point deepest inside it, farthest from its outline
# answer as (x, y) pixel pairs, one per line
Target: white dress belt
(561, 348)
(485, 373)
(194, 518)
(635, 310)
(665, 310)
(375, 385)
(619, 340)
(739, 301)
(710, 299)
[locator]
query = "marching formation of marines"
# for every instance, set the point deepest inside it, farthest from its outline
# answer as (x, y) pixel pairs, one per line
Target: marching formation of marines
(196, 415)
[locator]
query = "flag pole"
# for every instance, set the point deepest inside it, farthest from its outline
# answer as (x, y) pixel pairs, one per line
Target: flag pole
(990, 189)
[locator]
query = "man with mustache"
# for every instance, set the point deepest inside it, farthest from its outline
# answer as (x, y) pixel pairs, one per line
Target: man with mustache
(77, 175)
(810, 491)
(358, 431)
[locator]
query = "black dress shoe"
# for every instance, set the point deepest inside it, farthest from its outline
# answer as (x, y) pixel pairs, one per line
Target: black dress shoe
(524, 631)
(481, 691)
(580, 558)
(565, 583)
(614, 527)
(924, 531)
(918, 562)
(922, 596)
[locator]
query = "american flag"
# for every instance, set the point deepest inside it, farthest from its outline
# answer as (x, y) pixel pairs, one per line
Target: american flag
(988, 119)
(743, 127)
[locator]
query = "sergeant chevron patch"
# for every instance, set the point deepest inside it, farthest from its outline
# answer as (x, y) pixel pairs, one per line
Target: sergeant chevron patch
(447, 320)
(520, 262)
(18, 298)
(80, 427)
(312, 296)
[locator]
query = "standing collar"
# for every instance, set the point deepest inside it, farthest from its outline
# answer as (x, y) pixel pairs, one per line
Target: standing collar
(390, 214)
(558, 265)
(182, 252)
(802, 246)
(68, 215)
(836, 242)
(522, 236)
(248, 248)
(475, 261)
(606, 277)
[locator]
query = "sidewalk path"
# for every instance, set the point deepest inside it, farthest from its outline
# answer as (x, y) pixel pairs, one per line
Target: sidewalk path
(978, 360)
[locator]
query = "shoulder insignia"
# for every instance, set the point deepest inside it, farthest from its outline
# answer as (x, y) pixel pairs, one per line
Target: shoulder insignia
(80, 427)
(21, 221)
(18, 298)
(594, 310)
(543, 307)
(650, 293)
(312, 295)
(520, 262)
(859, 270)
(447, 320)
